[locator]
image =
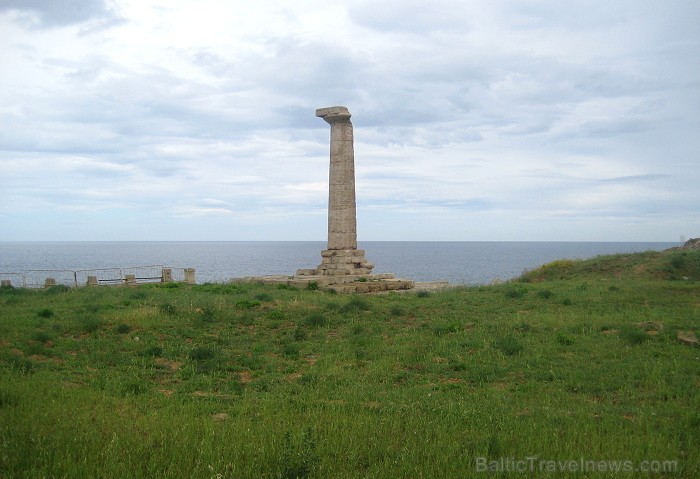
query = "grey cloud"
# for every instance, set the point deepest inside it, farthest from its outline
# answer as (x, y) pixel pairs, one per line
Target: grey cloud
(54, 13)
(635, 178)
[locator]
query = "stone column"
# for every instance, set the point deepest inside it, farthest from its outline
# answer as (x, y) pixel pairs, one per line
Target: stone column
(342, 216)
(342, 258)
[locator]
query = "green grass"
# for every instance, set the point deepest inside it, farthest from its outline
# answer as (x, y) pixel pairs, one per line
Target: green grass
(574, 360)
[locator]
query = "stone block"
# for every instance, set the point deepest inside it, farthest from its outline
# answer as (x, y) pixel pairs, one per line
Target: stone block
(167, 275)
(6, 283)
(92, 281)
(130, 279)
(50, 282)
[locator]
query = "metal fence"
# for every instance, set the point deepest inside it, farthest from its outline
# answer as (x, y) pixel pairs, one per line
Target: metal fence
(104, 276)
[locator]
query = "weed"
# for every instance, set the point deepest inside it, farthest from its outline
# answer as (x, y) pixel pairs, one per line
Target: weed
(312, 286)
(57, 289)
(299, 457)
(201, 354)
(154, 351)
(168, 308)
(45, 313)
(207, 314)
(396, 310)
(123, 328)
(565, 340)
(634, 336)
(264, 297)
(90, 325)
(138, 294)
(523, 327)
(285, 286)
(508, 345)
(275, 315)
(515, 293)
(355, 304)
(291, 350)
(422, 294)
(545, 294)
(315, 320)
(445, 328)
(41, 336)
(300, 334)
(133, 388)
(247, 303)
(20, 364)
(8, 399)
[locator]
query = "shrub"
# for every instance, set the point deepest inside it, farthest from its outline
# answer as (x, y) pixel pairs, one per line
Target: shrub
(423, 294)
(396, 310)
(313, 285)
(275, 314)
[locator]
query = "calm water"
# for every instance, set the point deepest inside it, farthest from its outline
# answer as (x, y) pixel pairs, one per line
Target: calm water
(457, 262)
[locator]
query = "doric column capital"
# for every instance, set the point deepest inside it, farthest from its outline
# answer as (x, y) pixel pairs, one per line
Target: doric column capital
(333, 114)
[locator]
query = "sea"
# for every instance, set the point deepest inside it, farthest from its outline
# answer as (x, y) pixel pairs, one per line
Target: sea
(461, 262)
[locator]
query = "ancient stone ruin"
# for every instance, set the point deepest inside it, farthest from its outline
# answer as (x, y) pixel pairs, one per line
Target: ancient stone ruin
(343, 267)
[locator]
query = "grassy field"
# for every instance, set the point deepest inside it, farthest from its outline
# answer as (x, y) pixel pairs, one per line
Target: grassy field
(576, 361)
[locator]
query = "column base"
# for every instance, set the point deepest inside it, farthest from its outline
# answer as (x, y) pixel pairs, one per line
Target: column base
(340, 262)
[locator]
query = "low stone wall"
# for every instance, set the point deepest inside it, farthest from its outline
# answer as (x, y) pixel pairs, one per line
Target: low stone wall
(97, 277)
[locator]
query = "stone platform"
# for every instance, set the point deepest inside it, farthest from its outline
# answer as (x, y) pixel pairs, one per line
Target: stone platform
(344, 284)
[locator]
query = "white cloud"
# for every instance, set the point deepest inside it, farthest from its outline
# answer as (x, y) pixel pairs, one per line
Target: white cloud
(491, 120)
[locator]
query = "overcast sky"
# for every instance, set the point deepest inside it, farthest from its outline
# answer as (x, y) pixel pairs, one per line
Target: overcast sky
(474, 120)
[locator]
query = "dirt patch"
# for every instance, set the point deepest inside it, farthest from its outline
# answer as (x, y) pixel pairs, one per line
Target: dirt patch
(167, 363)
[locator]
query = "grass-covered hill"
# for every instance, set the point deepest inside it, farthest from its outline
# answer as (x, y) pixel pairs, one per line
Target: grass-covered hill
(672, 264)
(575, 361)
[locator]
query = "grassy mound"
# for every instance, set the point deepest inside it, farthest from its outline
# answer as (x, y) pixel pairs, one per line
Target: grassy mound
(673, 264)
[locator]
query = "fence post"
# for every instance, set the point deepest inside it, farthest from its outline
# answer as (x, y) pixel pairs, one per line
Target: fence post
(167, 275)
(190, 276)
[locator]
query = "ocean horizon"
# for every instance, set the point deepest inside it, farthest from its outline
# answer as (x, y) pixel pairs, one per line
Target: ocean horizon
(458, 262)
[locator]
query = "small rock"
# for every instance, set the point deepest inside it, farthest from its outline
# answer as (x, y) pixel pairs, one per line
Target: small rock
(688, 338)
